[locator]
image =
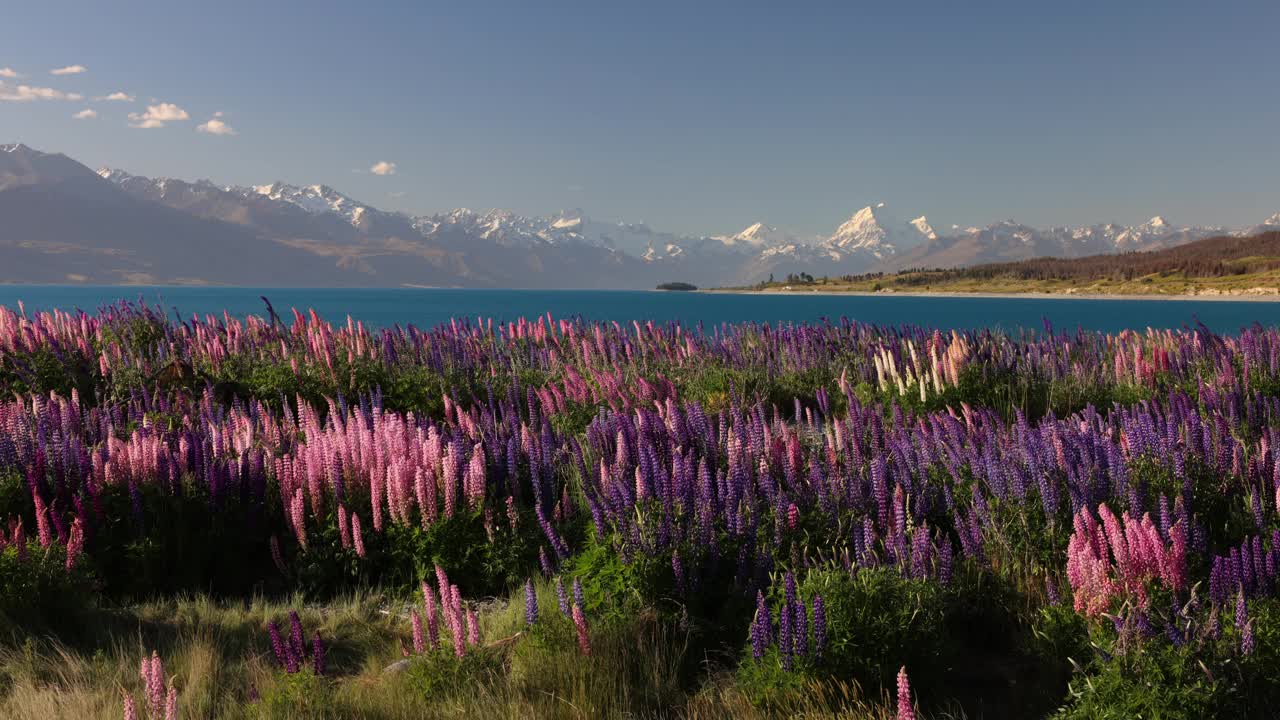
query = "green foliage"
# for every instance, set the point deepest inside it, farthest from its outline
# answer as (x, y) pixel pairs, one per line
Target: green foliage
(441, 674)
(300, 694)
(38, 589)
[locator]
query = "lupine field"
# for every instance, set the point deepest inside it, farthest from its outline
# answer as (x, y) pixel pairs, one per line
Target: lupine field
(287, 517)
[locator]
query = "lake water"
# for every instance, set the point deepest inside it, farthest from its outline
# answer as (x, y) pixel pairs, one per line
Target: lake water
(423, 307)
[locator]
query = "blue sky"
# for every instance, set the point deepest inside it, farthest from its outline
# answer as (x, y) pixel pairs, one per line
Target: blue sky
(696, 117)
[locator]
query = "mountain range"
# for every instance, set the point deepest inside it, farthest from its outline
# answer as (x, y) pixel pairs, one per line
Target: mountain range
(62, 222)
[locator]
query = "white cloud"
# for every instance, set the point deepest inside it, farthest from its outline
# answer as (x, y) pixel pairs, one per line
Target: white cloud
(116, 97)
(27, 93)
(216, 127)
(86, 114)
(69, 70)
(383, 167)
(157, 115)
(8, 72)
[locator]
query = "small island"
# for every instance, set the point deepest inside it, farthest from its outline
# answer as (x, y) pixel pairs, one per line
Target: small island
(678, 286)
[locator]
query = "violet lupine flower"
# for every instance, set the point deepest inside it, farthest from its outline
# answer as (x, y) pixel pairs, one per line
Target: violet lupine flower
(579, 597)
(530, 603)
(819, 628)
(761, 627)
(561, 598)
(677, 569)
(906, 709)
(786, 636)
(580, 624)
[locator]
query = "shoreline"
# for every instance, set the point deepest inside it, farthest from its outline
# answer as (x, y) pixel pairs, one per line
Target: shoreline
(998, 295)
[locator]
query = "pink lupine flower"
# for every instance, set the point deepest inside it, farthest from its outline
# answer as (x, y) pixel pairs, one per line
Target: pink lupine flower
(171, 702)
(43, 531)
(357, 535)
(419, 640)
(298, 511)
(473, 627)
(130, 707)
(580, 624)
(75, 543)
(344, 526)
(906, 710)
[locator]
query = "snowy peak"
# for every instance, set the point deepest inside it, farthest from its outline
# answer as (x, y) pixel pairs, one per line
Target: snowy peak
(875, 230)
(757, 235)
(315, 199)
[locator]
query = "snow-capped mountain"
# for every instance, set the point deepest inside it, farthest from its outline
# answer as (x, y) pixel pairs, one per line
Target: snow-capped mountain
(312, 198)
(759, 235)
(874, 230)
(340, 240)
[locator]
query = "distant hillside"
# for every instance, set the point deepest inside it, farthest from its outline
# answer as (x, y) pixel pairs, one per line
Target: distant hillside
(1223, 265)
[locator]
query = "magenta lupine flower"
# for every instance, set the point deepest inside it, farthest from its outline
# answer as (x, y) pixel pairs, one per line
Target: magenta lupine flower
(530, 603)
(317, 655)
(277, 644)
(295, 644)
(906, 710)
(580, 624)
(419, 639)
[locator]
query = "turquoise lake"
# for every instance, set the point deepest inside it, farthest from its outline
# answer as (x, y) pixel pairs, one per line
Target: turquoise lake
(427, 307)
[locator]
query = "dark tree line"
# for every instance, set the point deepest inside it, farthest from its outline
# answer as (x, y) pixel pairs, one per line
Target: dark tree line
(1210, 257)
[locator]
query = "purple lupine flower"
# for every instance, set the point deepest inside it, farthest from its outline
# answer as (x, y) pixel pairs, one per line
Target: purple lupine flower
(561, 598)
(786, 636)
(677, 568)
(579, 597)
(800, 629)
(1247, 639)
(761, 627)
(819, 628)
(530, 603)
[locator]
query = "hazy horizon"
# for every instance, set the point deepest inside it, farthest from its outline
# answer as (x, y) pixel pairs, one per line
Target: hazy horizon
(694, 120)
